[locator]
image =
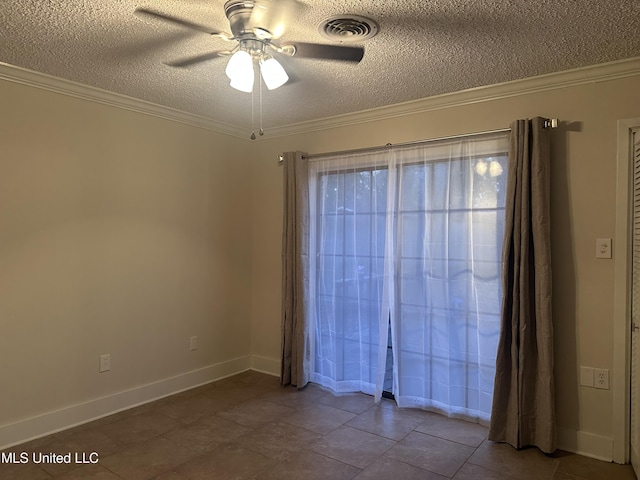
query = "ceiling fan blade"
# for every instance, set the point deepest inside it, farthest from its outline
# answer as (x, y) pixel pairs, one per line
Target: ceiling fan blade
(132, 49)
(185, 62)
(269, 18)
(148, 13)
(325, 52)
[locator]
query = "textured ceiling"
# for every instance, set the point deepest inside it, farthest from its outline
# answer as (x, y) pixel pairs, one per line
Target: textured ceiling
(422, 49)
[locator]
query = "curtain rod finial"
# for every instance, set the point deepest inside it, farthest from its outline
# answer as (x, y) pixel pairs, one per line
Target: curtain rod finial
(550, 123)
(280, 158)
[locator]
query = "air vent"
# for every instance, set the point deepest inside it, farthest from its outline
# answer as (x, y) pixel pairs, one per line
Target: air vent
(348, 28)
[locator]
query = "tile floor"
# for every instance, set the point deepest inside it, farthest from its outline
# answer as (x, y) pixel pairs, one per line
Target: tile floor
(249, 427)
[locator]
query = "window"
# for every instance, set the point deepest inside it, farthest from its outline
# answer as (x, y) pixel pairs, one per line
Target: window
(349, 264)
(410, 241)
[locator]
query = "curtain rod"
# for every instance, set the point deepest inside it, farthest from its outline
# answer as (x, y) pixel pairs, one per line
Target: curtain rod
(547, 123)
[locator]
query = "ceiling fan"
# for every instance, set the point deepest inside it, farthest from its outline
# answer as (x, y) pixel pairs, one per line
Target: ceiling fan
(255, 25)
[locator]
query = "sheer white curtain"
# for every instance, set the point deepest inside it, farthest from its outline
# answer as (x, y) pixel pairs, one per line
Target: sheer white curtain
(348, 198)
(410, 239)
(449, 229)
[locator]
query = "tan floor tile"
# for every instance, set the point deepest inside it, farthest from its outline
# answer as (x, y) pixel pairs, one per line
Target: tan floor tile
(352, 446)
(278, 440)
(213, 398)
(227, 462)
(207, 434)
(308, 465)
(191, 409)
(245, 387)
(566, 476)
(475, 472)
(55, 446)
(19, 471)
(79, 445)
(351, 402)
(318, 418)
(388, 421)
(225, 430)
(388, 469)
(431, 453)
(459, 431)
(148, 459)
(91, 440)
(257, 412)
(197, 438)
(524, 464)
(170, 476)
(292, 397)
(139, 428)
(88, 472)
(17, 462)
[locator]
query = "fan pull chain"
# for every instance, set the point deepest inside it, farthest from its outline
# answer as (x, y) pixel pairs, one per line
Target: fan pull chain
(253, 132)
(261, 131)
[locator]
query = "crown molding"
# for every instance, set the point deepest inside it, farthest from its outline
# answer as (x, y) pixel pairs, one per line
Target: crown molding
(552, 81)
(32, 78)
(569, 78)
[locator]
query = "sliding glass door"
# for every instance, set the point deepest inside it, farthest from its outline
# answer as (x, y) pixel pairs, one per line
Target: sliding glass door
(411, 239)
(350, 247)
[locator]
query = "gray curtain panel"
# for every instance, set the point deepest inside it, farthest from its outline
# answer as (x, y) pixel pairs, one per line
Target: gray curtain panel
(295, 272)
(523, 412)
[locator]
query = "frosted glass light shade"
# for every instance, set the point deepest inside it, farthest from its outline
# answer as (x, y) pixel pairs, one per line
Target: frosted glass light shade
(273, 74)
(243, 84)
(239, 66)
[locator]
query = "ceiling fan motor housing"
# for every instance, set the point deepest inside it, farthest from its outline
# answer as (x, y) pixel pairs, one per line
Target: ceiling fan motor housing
(239, 12)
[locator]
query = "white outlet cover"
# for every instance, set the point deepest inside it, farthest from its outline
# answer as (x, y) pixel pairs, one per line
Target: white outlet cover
(601, 378)
(603, 248)
(105, 362)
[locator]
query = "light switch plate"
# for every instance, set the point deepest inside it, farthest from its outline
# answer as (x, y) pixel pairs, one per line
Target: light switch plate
(603, 248)
(586, 376)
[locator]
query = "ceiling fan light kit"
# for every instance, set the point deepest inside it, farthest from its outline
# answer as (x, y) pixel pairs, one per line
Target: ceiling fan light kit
(239, 65)
(244, 84)
(241, 72)
(273, 74)
(255, 24)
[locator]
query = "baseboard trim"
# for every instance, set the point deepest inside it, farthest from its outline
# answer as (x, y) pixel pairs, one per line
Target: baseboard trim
(585, 443)
(270, 366)
(73, 415)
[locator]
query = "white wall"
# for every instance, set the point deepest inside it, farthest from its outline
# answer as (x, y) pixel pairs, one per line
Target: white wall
(120, 233)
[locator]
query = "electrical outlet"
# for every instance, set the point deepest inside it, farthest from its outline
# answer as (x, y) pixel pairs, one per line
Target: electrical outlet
(601, 378)
(193, 343)
(105, 362)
